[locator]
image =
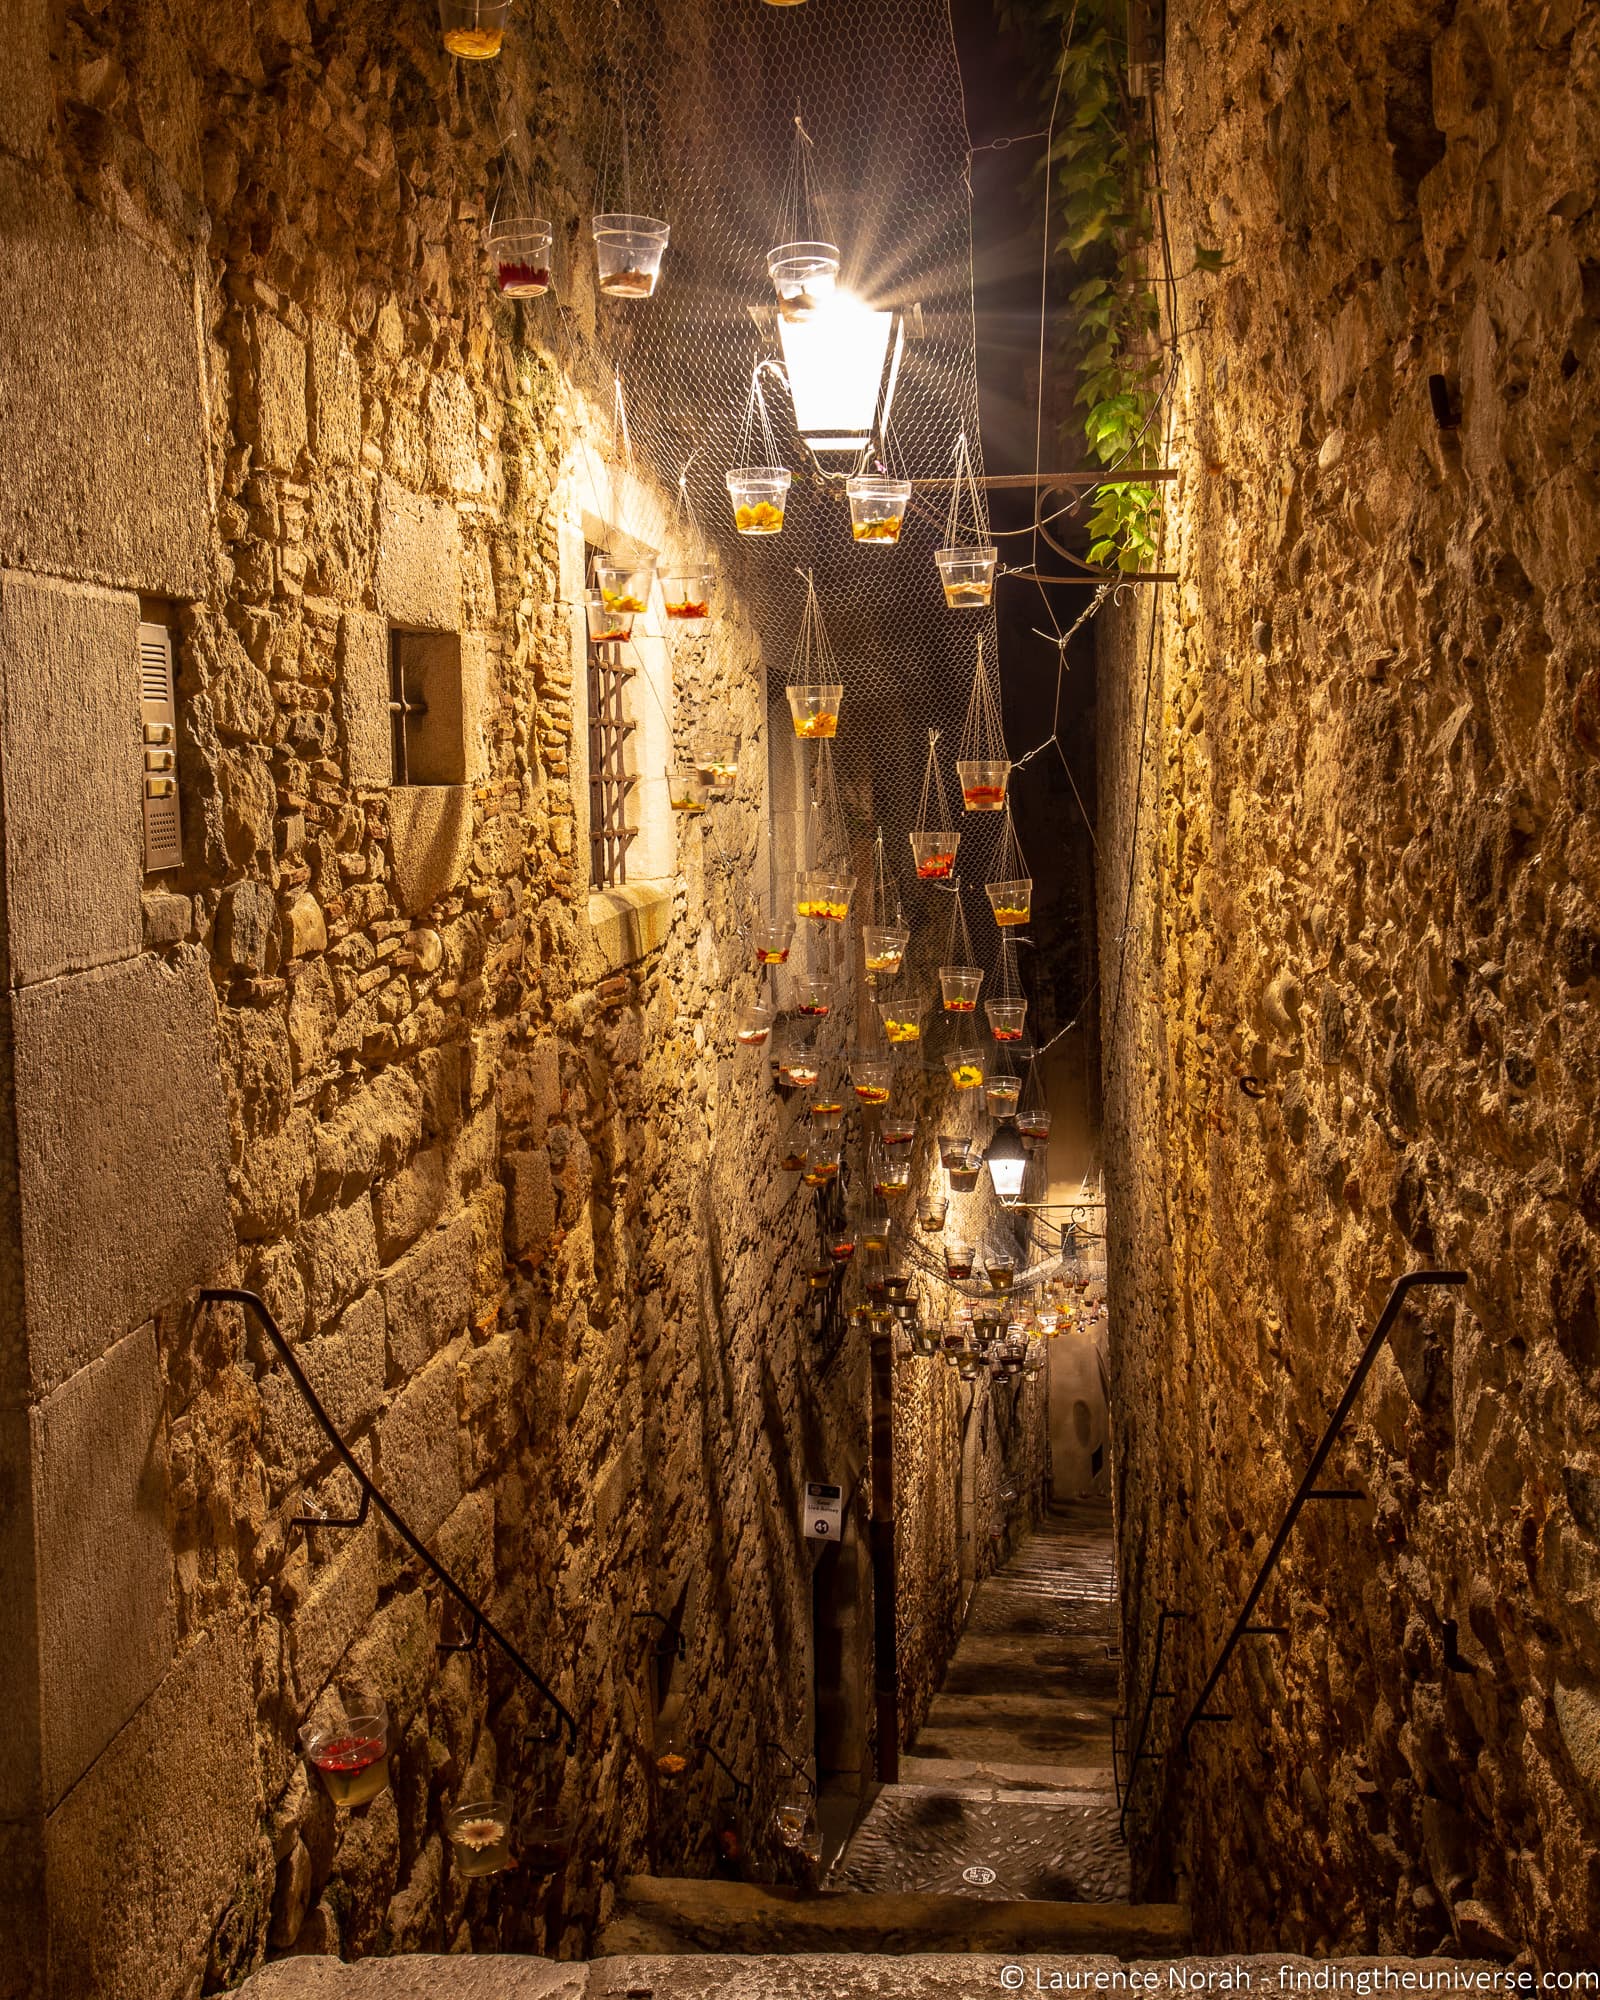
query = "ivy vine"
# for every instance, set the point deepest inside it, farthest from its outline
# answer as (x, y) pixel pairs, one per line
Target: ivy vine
(1103, 226)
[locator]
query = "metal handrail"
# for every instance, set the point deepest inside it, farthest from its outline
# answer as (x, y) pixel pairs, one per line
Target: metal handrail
(742, 1788)
(1157, 1693)
(481, 1622)
(1308, 1489)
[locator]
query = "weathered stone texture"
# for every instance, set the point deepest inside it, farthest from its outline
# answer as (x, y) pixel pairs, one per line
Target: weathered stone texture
(120, 499)
(121, 1126)
(1363, 873)
(106, 1633)
(143, 1849)
(70, 761)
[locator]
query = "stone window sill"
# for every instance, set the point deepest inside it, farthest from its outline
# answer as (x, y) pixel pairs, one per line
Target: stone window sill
(630, 921)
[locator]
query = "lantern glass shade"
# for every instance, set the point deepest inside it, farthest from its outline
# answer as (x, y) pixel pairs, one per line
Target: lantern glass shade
(1007, 1160)
(835, 358)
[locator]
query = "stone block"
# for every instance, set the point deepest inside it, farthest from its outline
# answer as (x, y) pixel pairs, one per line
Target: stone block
(336, 1609)
(151, 1844)
(369, 1134)
(396, 1659)
(122, 1149)
(23, 1971)
(404, 1206)
(363, 694)
(530, 1203)
(418, 1461)
(246, 924)
(430, 831)
(70, 766)
(106, 1630)
(339, 1257)
(122, 499)
(428, 1295)
(419, 561)
(280, 402)
(630, 922)
(27, 88)
(335, 396)
(19, 1630)
(346, 1369)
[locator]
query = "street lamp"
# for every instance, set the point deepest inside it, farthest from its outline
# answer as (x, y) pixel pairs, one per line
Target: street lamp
(1007, 1160)
(842, 361)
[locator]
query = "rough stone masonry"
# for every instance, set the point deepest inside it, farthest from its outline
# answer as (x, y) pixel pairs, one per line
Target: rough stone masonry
(1349, 814)
(476, 1135)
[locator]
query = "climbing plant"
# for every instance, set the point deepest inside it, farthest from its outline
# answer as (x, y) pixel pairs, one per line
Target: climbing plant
(1103, 226)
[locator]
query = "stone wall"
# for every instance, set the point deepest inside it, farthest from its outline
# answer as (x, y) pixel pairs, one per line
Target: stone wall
(477, 1136)
(1350, 771)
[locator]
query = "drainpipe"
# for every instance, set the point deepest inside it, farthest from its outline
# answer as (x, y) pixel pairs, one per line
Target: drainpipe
(885, 1636)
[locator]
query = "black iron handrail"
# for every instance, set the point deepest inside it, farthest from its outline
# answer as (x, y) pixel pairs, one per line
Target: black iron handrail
(1157, 1693)
(1309, 1490)
(481, 1622)
(799, 1769)
(742, 1788)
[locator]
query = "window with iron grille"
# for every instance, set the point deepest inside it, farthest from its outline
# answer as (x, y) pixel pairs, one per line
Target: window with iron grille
(609, 782)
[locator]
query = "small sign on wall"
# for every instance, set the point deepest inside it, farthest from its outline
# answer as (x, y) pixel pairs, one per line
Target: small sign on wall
(824, 1511)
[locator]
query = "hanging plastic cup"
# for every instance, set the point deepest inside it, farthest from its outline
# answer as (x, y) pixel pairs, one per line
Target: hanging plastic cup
(1001, 1273)
(934, 852)
(716, 761)
(814, 708)
(480, 1835)
(968, 576)
(932, 1210)
(474, 29)
(628, 252)
(891, 1176)
(877, 508)
(803, 275)
(902, 1021)
(623, 587)
(1034, 1124)
(606, 627)
(825, 895)
(983, 782)
(754, 1025)
(686, 794)
(351, 1754)
(686, 594)
(1000, 1095)
(896, 1130)
(963, 1179)
(758, 494)
(1011, 901)
(871, 1076)
(957, 1260)
(1006, 1018)
(813, 995)
(822, 1163)
(772, 942)
(958, 985)
(885, 946)
(965, 1066)
(952, 1150)
(519, 249)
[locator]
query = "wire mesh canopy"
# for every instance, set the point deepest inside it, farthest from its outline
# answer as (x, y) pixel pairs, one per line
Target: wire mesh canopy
(884, 128)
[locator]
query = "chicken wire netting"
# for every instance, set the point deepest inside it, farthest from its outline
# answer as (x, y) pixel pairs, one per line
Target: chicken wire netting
(708, 100)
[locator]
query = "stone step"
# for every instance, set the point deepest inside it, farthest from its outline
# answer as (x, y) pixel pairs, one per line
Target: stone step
(657, 1914)
(832, 1976)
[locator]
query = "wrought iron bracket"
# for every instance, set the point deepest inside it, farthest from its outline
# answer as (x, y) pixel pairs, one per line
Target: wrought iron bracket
(252, 1303)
